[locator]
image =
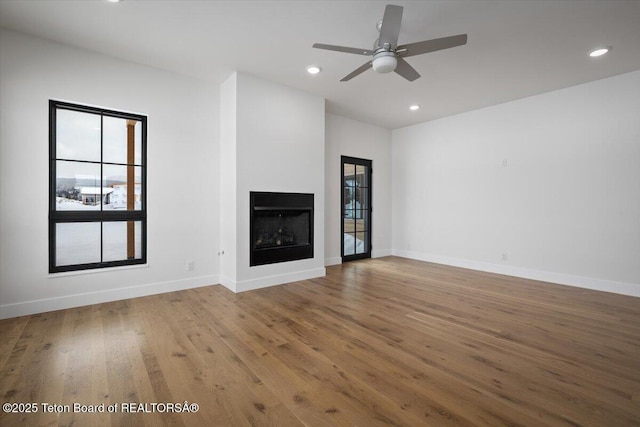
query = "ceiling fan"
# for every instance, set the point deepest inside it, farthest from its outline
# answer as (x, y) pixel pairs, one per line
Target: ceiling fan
(387, 55)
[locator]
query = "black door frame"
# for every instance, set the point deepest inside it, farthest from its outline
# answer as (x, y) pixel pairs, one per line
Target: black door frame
(368, 218)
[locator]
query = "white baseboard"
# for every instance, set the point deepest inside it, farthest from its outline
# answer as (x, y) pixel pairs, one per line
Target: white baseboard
(381, 253)
(264, 282)
(78, 300)
(374, 254)
(332, 261)
(228, 283)
(631, 289)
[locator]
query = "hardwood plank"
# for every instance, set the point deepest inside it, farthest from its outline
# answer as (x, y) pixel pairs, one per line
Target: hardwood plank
(387, 341)
(9, 335)
(34, 372)
(81, 346)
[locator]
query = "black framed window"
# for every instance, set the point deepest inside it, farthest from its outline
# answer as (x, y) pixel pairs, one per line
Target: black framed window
(97, 187)
(355, 179)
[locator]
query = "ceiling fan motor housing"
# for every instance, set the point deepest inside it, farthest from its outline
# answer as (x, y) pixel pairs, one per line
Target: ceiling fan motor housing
(384, 61)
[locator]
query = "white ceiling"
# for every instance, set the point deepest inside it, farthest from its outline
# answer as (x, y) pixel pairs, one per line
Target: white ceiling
(516, 48)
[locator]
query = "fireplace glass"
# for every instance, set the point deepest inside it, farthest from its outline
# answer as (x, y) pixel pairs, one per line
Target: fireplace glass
(281, 227)
(274, 229)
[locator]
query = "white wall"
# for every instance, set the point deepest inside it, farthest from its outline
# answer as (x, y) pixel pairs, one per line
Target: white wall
(183, 183)
(346, 137)
(279, 146)
(552, 181)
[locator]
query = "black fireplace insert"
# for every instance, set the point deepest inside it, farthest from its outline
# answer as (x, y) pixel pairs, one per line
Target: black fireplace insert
(281, 227)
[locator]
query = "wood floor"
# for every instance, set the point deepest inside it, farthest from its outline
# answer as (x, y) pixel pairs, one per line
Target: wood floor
(387, 341)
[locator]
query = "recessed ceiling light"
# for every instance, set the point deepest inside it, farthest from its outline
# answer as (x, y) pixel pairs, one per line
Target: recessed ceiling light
(414, 107)
(114, 1)
(313, 69)
(599, 52)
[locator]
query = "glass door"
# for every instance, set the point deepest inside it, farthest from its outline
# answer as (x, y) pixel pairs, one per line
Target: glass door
(356, 208)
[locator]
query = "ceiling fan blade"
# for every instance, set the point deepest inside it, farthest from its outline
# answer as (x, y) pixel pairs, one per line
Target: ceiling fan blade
(343, 49)
(405, 70)
(390, 28)
(427, 46)
(359, 70)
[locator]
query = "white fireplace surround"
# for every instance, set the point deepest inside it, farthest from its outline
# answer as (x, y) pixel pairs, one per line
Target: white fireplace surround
(272, 140)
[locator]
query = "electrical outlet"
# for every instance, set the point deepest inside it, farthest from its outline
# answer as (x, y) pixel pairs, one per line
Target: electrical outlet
(190, 265)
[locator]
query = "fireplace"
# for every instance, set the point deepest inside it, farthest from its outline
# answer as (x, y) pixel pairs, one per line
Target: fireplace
(281, 227)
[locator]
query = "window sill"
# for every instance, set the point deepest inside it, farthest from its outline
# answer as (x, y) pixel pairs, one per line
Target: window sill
(95, 271)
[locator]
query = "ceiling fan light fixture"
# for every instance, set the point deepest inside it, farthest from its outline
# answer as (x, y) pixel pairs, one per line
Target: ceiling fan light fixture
(313, 69)
(599, 52)
(385, 63)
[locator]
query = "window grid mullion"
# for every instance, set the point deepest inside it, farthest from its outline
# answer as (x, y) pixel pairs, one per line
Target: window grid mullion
(101, 186)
